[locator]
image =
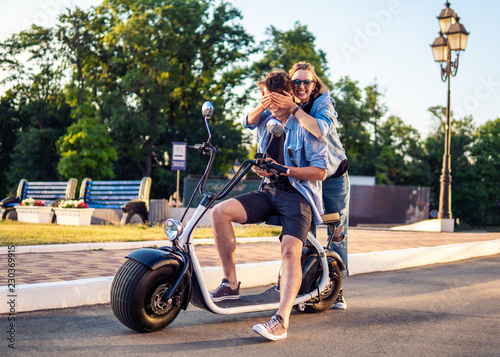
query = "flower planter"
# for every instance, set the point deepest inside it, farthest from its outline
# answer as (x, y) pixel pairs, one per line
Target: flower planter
(33, 214)
(74, 216)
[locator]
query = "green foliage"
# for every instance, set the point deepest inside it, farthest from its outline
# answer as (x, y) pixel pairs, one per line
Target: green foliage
(156, 63)
(354, 129)
(38, 113)
(462, 173)
(283, 49)
(86, 151)
(482, 189)
(402, 159)
(117, 84)
(33, 156)
(9, 125)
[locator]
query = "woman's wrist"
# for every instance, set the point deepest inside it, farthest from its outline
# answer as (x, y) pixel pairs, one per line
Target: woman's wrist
(295, 110)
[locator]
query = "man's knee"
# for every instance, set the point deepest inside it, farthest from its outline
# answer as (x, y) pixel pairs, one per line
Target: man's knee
(291, 248)
(228, 211)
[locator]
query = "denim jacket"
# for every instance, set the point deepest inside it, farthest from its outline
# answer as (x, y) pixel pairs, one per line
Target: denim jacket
(307, 151)
(323, 111)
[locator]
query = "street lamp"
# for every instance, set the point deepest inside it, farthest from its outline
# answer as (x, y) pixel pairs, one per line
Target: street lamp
(452, 39)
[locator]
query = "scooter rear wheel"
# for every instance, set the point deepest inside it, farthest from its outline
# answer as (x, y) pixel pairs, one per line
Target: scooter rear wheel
(136, 294)
(330, 295)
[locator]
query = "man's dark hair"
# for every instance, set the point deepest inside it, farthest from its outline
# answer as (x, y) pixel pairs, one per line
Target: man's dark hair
(276, 81)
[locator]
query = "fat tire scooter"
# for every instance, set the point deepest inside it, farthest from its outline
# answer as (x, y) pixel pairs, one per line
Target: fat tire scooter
(154, 285)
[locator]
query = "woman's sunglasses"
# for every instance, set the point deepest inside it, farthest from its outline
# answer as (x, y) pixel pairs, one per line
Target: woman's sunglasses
(297, 82)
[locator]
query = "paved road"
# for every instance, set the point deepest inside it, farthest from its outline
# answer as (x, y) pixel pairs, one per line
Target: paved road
(441, 310)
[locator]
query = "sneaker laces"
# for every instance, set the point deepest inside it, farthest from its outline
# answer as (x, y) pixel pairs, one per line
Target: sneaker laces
(220, 287)
(271, 324)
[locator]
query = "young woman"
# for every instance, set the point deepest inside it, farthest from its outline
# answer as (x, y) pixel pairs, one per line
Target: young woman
(313, 106)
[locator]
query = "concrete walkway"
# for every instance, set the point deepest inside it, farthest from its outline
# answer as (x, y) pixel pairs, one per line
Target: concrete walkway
(57, 276)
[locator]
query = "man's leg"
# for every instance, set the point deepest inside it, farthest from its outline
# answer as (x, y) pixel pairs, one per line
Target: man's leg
(225, 241)
(291, 276)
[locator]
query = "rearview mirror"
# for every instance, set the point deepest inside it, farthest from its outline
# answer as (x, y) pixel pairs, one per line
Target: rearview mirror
(274, 127)
(207, 110)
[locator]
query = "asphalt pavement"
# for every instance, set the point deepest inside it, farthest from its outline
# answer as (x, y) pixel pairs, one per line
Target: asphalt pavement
(440, 310)
(58, 276)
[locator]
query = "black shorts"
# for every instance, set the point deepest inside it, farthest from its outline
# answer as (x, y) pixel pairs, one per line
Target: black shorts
(293, 209)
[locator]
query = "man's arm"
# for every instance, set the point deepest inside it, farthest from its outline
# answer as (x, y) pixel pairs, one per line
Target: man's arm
(309, 173)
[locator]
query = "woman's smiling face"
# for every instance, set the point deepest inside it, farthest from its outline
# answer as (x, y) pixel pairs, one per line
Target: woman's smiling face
(301, 91)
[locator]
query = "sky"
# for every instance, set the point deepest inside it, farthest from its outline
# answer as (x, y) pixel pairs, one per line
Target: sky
(382, 41)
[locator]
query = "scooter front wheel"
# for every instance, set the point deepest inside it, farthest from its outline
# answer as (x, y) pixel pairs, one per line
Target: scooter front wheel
(136, 294)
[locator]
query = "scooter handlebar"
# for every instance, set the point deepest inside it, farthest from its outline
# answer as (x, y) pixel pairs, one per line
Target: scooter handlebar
(278, 167)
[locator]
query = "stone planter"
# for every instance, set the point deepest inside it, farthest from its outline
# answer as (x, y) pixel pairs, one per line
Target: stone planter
(33, 214)
(74, 216)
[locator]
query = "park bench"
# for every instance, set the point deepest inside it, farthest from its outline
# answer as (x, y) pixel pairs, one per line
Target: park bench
(49, 192)
(132, 197)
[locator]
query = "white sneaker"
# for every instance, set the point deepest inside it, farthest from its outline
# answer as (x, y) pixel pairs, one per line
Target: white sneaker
(273, 330)
(340, 303)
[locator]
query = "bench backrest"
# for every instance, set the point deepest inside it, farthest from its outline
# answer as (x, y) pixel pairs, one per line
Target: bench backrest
(47, 191)
(114, 194)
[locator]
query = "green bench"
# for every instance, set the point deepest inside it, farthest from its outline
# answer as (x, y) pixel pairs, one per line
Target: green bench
(132, 197)
(49, 192)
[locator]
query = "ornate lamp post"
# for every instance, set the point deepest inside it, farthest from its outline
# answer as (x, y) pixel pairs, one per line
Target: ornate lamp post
(452, 39)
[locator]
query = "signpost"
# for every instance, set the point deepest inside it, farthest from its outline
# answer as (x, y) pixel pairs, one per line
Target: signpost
(178, 162)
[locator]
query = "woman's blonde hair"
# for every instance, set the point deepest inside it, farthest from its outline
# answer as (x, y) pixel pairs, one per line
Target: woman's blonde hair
(320, 87)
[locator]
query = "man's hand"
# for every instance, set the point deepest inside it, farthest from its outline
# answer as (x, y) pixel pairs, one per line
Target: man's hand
(261, 172)
(265, 101)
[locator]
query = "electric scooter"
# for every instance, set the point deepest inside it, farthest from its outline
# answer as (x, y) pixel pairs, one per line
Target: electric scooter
(155, 284)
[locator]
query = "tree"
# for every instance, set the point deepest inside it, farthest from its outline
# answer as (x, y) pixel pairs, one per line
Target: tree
(377, 109)
(462, 138)
(9, 125)
(482, 194)
(402, 159)
(76, 38)
(354, 120)
(156, 63)
(32, 66)
(282, 49)
(86, 151)
(37, 79)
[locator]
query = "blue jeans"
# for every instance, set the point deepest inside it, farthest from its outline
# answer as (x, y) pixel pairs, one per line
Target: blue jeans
(336, 194)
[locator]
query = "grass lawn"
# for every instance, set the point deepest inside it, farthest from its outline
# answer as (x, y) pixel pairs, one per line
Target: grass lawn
(19, 233)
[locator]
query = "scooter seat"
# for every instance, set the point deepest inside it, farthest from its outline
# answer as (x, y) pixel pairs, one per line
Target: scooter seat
(330, 217)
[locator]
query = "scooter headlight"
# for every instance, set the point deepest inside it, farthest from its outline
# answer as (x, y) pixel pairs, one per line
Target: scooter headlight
(172, 228)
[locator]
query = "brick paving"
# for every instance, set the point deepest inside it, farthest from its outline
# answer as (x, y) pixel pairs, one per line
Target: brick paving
(62, 266)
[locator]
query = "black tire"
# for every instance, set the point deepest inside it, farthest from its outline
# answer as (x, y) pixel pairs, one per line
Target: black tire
(329, 297)
(135, 296)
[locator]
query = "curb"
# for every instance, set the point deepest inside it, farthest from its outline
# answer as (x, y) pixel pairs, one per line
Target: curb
(33, 297)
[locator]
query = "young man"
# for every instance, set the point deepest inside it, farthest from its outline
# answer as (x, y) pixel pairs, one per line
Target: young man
(296, 197)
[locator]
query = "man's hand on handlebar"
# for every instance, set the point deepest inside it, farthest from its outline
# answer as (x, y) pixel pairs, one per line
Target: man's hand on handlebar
(269, 167)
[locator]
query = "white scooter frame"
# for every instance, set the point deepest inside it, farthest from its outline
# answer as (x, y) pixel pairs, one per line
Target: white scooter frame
(153, 285)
